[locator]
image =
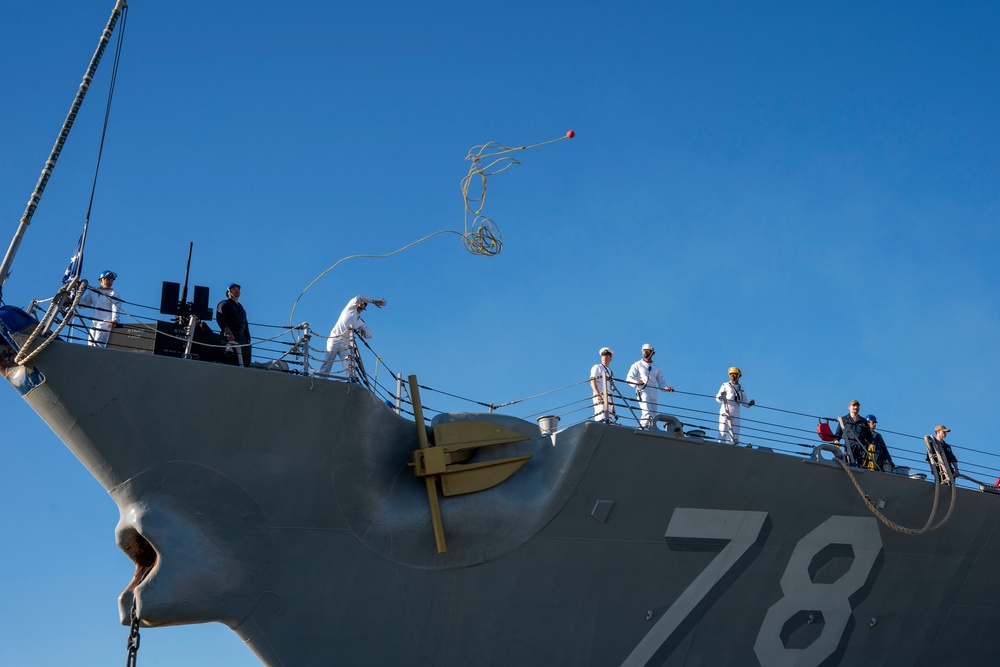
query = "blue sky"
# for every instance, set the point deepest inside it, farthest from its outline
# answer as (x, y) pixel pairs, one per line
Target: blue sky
(806, 190)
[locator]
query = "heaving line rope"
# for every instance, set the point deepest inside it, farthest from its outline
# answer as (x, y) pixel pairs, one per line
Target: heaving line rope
(484, 237)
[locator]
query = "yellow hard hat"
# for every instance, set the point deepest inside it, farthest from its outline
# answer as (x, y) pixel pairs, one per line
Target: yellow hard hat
(733, 369)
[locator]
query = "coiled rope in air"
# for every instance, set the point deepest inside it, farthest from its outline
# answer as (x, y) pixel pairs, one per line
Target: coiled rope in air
(927, 527)
(484, 237)
(481, 236)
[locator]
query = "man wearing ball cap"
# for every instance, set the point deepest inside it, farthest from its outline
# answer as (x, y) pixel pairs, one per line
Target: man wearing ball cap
(940, 432)
(647, 378)
(602, 383)
(853, 429)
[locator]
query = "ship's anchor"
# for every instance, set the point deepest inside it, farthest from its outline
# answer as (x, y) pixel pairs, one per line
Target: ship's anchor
(455, 443)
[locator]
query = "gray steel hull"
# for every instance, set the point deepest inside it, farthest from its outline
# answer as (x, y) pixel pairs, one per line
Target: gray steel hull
(285, 508)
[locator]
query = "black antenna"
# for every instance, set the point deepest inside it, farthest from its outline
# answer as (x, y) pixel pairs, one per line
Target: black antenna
(173, 299)
(187, 272)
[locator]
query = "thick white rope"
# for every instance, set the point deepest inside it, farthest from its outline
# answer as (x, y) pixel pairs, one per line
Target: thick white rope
(26, 353)
(927, 527)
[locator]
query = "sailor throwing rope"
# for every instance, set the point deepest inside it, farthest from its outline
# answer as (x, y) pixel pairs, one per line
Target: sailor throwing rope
(340, 345)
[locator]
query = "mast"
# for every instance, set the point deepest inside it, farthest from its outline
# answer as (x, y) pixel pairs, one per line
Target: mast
(50, 164)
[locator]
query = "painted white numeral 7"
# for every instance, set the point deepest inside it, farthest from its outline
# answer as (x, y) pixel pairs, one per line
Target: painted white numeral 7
(737, 529)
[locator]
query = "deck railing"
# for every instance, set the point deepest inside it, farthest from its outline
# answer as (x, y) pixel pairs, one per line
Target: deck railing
(298, 350)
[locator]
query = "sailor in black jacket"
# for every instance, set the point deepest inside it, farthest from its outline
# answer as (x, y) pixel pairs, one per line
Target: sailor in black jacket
(940, 432)
(232, 321)
(883, 460)
(854, 430)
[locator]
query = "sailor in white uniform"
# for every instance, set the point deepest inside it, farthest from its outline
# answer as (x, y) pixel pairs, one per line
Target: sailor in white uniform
(731, 395)
(106, 316)
(602, 381)
(339, 345)
(647, 378)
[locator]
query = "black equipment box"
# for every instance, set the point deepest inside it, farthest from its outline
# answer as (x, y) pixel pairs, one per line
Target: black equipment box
(167, 339)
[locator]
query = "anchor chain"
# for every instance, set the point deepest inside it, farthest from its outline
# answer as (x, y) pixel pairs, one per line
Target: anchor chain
(133, 638)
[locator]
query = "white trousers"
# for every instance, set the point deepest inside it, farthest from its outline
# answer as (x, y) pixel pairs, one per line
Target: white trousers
(98, 333)
(727, 420)
(599, 415)
(649, 401)
(338, 350)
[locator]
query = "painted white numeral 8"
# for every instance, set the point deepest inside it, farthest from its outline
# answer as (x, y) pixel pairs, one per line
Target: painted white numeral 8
(804, 595)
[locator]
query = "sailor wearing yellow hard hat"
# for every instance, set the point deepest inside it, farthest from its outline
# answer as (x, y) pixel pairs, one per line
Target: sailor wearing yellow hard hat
(732, 396)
